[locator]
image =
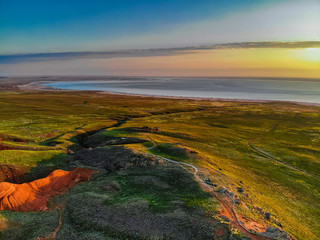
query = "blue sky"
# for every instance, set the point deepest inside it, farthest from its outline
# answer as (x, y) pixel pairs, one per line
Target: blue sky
(123, 37)
(55, 26)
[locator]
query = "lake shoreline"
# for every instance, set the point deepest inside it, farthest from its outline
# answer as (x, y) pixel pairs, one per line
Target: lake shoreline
(40, 86)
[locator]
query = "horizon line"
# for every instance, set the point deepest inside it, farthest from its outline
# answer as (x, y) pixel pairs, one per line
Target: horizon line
(49, 56)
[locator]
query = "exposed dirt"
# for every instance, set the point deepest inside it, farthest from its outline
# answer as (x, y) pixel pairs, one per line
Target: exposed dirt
(34, 196)
(12, 173)
(53, 235)
(253, 225)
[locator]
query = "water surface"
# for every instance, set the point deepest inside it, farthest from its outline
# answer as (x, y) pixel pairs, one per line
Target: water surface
(302, 90)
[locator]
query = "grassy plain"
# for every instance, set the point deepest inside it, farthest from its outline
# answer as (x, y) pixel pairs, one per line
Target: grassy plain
(270, 149)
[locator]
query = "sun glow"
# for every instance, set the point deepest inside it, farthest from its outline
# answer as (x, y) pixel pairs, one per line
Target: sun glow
(308, 54)
(262, 62)
(313, 54)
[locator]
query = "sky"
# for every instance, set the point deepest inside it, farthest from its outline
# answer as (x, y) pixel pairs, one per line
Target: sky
(126, 35)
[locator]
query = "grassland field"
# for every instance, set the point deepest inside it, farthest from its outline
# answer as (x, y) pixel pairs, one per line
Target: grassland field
(269, 149)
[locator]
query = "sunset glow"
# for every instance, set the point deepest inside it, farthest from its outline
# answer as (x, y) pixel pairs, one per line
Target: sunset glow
(311, 54)
(225, 62)
(275, 39)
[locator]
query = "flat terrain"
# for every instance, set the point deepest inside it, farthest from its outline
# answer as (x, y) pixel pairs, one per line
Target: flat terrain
(264, 155)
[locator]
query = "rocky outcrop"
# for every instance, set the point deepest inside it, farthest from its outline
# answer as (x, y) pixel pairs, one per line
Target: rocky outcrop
(35, 195)
(110, 158)
(276, 233)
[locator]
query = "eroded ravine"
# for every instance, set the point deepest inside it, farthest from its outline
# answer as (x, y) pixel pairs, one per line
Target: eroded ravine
(225, 204)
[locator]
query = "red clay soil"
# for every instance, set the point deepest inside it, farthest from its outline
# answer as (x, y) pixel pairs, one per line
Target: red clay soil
(34, 196)
(253, 225)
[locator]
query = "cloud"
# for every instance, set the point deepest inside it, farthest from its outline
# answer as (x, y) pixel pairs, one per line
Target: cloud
(44, 57)
(294, 20)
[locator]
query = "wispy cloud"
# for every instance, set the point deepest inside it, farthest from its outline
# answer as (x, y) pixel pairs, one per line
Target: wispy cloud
(43, 57)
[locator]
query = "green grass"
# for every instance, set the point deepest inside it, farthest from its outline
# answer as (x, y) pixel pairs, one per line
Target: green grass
(29, 225)
(218, 131)
(38, 163)
(32, 158)
(174, 185)
(170, 151)
(182, 187)
(118, 133)
(288, 194)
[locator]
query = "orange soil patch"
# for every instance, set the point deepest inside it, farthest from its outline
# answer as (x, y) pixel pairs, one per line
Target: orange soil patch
(248, 223)
(34, 196)
(245, 227)
(253, 225)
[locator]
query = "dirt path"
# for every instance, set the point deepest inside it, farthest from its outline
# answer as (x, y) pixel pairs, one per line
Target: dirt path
(228, 206)
(266, 155)
(270, 157)
(53, 235)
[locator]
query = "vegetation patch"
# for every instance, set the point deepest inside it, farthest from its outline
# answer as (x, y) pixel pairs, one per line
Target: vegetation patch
(171, 151)
(220, 132)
